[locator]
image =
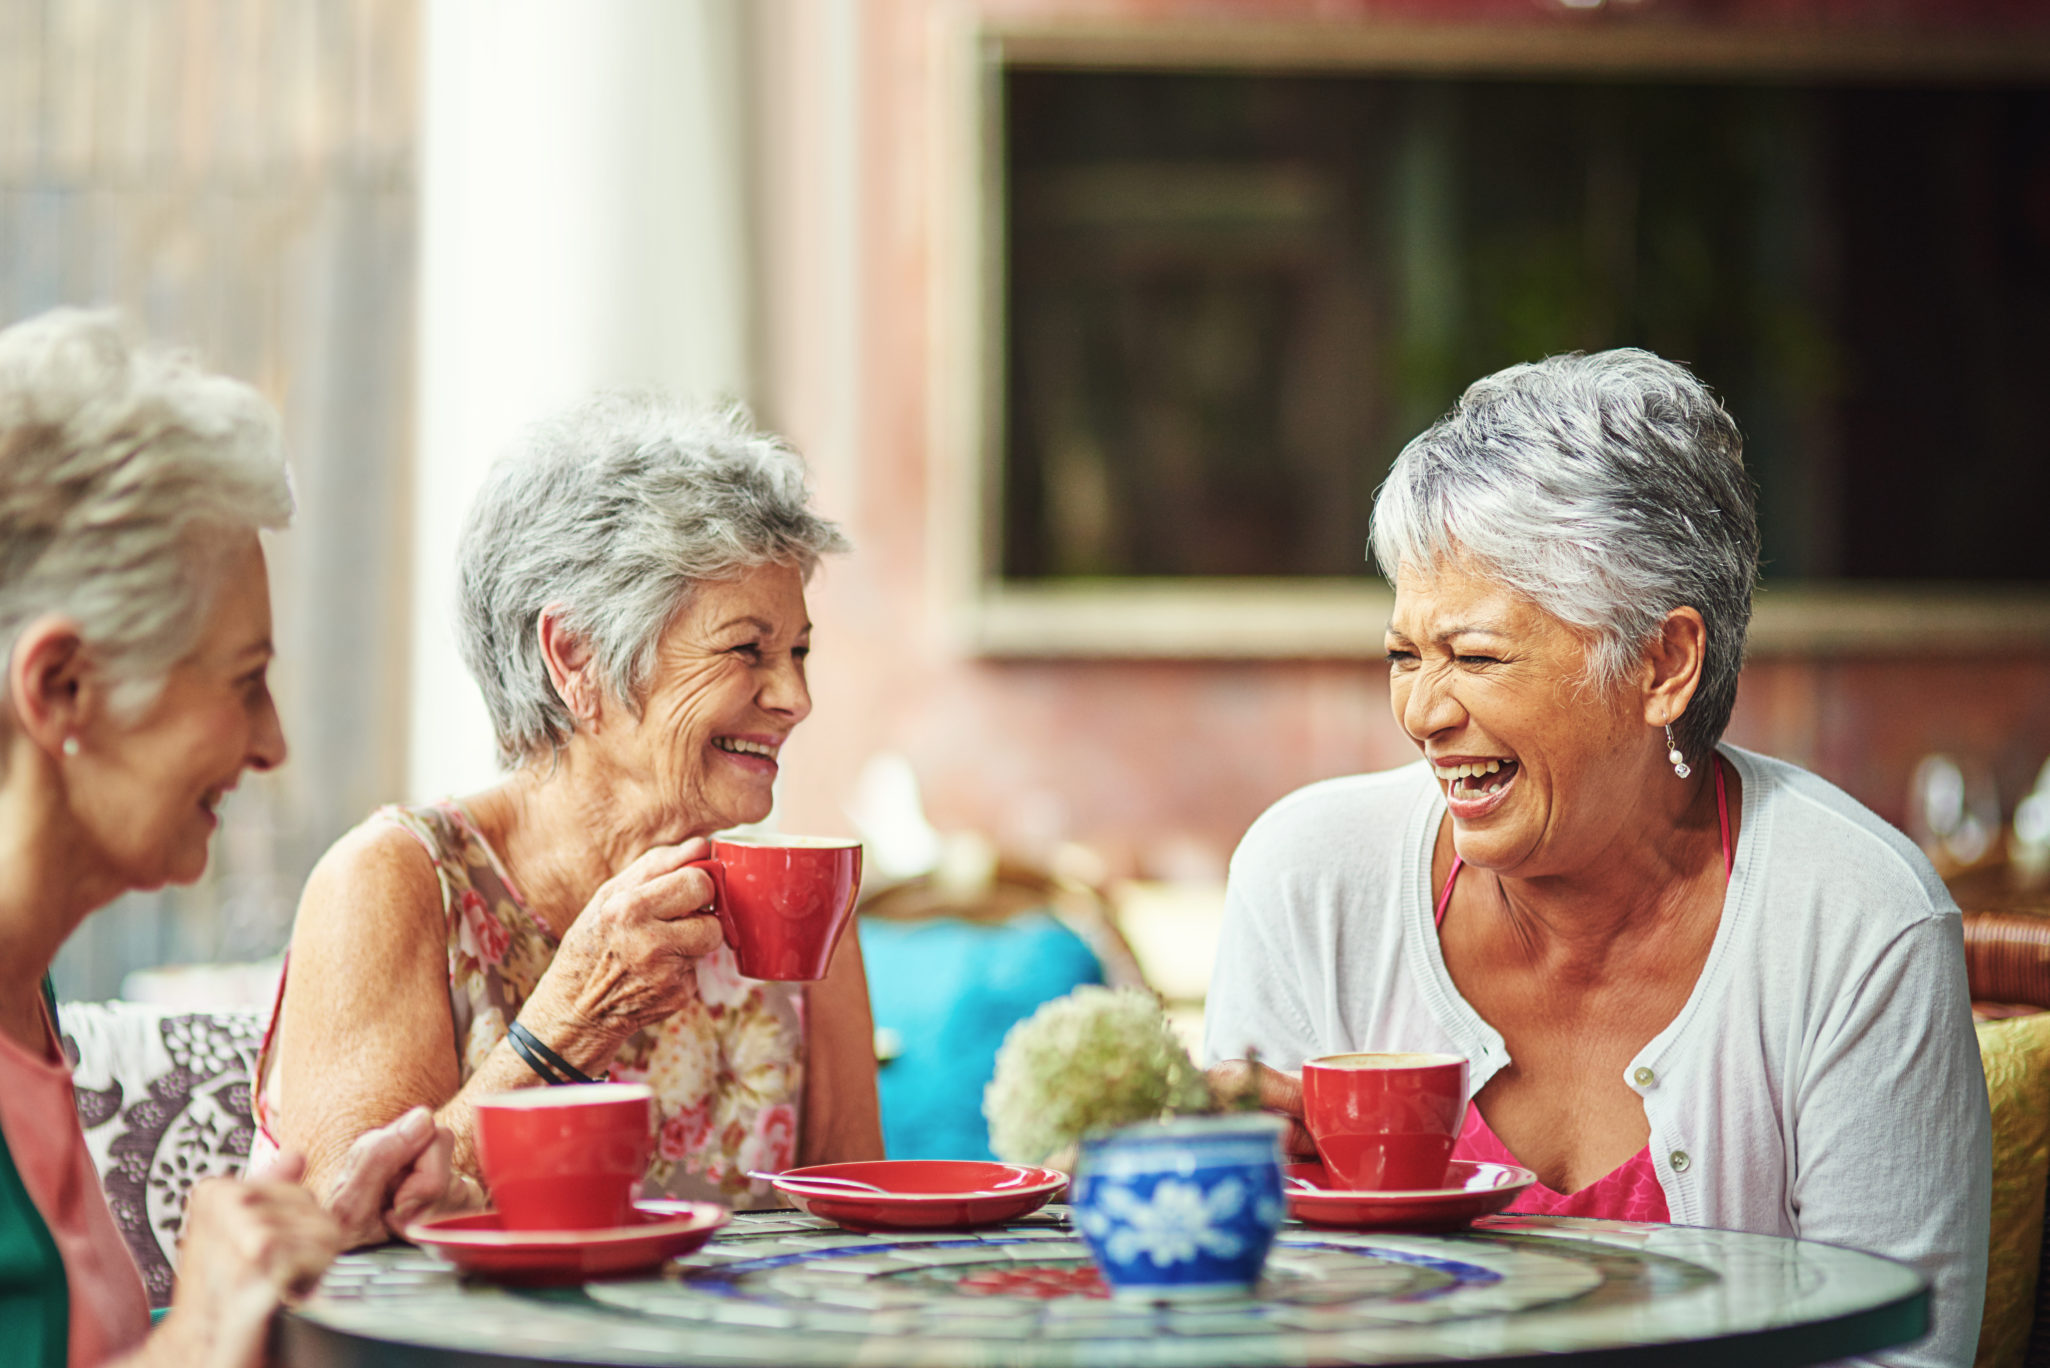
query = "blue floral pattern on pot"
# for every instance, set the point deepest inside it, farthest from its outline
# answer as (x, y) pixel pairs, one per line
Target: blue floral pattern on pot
(1181, 1209)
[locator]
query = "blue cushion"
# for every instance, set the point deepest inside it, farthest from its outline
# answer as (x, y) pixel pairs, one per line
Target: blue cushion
(949, 990)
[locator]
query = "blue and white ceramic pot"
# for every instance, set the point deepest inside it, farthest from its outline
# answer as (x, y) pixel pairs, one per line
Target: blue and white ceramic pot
(1182, 1209)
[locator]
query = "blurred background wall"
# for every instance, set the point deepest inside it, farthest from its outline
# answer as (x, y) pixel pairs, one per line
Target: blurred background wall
(241, 179)
(418, 226)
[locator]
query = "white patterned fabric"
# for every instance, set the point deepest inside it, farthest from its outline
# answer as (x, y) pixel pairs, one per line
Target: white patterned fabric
(163, 1096)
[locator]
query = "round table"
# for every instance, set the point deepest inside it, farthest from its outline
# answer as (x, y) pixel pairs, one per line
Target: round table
(780, 1288)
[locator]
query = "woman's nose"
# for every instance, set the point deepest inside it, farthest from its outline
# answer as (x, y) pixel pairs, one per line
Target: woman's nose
(267, 739)
(1428, 707)
(786, 691)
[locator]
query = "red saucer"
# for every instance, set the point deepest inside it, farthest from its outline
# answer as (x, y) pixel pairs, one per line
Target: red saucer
(922, 1194)
(479, 1243)
(1472, 1189)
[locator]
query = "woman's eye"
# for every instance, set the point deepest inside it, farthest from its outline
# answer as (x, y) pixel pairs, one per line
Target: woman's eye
(749, 652)
(1399, 657)
(799, 652)
(1476, 660)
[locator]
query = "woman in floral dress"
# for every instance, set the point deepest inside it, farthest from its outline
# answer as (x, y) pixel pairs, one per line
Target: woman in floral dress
(632, 606)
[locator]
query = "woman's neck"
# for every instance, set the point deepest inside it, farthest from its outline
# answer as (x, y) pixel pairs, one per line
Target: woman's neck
(562, 829)
(1663, 863)
(49, 882)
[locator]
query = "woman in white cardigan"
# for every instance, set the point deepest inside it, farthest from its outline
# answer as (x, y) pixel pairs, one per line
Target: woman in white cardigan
(1695, 984)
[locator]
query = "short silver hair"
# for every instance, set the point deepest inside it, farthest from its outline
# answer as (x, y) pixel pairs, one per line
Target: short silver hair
(1608, 489)
(612, 513)
(124, 471)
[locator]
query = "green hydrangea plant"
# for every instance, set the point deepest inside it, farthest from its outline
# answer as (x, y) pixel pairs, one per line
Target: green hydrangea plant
(1094, 1060)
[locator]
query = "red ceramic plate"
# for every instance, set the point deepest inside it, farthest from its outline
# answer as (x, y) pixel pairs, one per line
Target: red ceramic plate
(479, 1243)
(921, 1194)
(1472, 1190)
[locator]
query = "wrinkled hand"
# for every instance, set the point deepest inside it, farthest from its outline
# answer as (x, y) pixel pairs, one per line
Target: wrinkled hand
(630, 958)
(1273, 1091)
(396, 1175)
(248, 1247)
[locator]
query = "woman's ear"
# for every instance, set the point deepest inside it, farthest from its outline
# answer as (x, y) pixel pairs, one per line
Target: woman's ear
(48, 682)
(1672, 666)
(568, 659)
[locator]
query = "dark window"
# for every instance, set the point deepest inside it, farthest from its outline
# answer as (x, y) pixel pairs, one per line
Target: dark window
(1230, 299)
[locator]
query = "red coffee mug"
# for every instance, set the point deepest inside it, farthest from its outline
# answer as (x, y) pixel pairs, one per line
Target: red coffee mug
(783, 901)
(568, 1158)
(1385, 1122)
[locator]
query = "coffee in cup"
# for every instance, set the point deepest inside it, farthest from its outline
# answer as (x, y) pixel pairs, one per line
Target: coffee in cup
(1385, 1122)
(565, 1158)
(783, 901)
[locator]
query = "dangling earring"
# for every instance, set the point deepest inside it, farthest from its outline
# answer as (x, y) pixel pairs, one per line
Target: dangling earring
(71, 745)
(1680, 766)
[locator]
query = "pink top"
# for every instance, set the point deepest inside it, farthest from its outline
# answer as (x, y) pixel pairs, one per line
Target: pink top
(109, 1309)
(1629, 1192)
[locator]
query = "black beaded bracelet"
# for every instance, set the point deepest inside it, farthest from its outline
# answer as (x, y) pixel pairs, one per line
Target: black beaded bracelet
(551, 1066)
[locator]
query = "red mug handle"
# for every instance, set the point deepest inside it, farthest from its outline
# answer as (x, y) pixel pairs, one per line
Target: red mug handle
(717, 871)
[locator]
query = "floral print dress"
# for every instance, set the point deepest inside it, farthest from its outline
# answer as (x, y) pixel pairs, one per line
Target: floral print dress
(727, 1070)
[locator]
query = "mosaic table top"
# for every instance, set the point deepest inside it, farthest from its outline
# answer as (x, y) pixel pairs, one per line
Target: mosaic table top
(779, 1288)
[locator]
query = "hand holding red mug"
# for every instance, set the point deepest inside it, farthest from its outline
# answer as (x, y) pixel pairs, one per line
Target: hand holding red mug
(1235, 1080)
(630, 958)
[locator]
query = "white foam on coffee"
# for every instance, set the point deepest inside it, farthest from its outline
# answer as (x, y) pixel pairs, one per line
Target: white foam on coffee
(1384, 1061)
(575, 1095)
(785, 842)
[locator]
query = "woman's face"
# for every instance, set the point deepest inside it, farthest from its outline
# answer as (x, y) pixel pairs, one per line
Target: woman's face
(727, 690)
(1479, 675)
(146, 790)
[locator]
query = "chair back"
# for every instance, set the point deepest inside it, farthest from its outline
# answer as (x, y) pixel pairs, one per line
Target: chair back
(164, 1097)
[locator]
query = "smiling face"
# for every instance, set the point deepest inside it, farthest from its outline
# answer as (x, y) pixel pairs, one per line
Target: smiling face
(727, 689)
(146, 789)
(1540, 771)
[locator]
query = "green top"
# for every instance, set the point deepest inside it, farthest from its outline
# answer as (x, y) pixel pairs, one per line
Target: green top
(35, 1305)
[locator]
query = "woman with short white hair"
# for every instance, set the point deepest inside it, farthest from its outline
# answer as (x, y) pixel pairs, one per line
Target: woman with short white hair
(136, 611)
(1694, 984)
(632, 605)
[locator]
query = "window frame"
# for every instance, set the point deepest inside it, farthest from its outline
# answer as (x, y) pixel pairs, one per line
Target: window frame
(1344, 618)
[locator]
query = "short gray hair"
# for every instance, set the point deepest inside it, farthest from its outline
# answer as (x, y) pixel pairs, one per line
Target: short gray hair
(121, 467)
(1608, 489)
(611, 513)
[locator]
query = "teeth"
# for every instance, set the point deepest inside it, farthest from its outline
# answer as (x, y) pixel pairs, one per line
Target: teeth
(740, 747)
(1450, 773)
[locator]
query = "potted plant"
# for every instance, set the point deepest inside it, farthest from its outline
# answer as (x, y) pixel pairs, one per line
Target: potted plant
(1176, 1197)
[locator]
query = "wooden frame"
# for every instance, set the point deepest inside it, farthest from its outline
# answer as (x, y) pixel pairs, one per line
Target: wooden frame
(1344, 618)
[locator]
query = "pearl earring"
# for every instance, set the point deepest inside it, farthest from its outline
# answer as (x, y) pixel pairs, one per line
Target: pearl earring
(71, 745)
(1680, 766)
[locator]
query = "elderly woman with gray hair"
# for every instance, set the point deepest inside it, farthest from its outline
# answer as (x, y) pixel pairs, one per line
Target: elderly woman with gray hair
(135, 607)
(1694, 984)
(632, 604)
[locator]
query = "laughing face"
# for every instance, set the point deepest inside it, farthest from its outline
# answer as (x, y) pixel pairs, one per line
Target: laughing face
(728, 689)
(146, 789)
(1539, 771)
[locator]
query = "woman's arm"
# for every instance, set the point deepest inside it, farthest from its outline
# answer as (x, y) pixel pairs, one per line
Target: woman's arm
(365, 1030)
(1892, 1136)
(841, 1117)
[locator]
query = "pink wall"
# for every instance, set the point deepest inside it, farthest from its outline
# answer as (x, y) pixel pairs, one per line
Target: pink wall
(1160, 766)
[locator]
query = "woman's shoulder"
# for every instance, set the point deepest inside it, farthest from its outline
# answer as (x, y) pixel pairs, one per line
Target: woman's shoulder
(1821, 837)
(395, 851)
(1356, 816)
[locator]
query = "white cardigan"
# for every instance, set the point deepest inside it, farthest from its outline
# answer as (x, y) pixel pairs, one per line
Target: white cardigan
(1822, 1080)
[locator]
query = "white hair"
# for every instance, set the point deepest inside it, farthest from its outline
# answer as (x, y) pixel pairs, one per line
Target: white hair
(124, 473)
(1608, 489)
(611, 514)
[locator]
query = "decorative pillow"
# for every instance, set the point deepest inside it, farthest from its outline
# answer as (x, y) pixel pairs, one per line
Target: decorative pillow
(2016, 1054)
(164, 1099)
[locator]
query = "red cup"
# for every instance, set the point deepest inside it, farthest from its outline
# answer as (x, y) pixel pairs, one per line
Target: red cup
(784, 900)
(1385, 1122)
(567, 1158)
